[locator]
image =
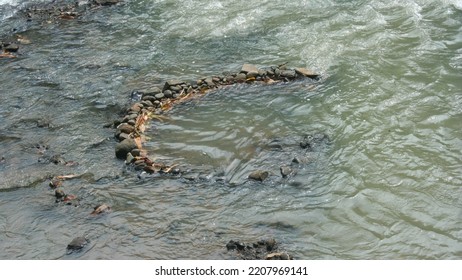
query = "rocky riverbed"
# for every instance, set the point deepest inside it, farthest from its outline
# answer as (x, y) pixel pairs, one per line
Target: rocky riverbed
(46, 13)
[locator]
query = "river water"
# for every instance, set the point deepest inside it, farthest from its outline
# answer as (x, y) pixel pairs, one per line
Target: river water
(387, 184)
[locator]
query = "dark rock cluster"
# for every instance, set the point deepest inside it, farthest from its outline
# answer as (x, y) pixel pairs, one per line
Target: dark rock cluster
(8, 49)
(261, 250)
(62, 9)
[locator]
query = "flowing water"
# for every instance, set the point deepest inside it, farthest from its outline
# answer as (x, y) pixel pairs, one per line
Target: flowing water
(387, 184)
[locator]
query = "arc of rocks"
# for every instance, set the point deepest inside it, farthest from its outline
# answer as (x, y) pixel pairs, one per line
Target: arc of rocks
(155, 101)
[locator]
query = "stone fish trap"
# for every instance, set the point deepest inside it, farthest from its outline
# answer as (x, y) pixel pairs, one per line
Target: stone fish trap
(155, 101)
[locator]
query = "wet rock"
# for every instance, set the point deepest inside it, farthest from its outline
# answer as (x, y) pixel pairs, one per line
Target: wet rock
(136, 152)
(43, 123)
(152, 91)
(250, 70)
(59, 194)
(55, 183)
(289, 74)
(175, 89)
(191, 176)
(132, 116)
(150, 98)
(172, 83)
(57, 159)
(270, 244)
(77, 244)
(235, 245)
(69, 199)
(159, 96)
(151, 169)
(125, 128)
(136, 107)
(278, 256)
(306, 142)
(124, 147)
(210, 83)
(261, 250)
(274, 146)
(147, 104)
(130, 158)
(122, 136)
(168, 93)
(139, 164)
(300, 160)
(259, 175)
(41, 148)
(106, 2)
(241, 77)
(285, 171)
(10, 47)
(229, 79)
(306, 72)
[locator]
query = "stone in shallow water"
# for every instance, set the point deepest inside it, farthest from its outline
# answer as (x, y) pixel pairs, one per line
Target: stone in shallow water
(209, 81)
(159, 96)
(259, 175)
(249, 69)
(77, 243)
(306, 72)
(125, 128)
(152, 91)
(172, 83)
(106, 2)
(241, 77)
(11, 48)
(289, 74)
(59, 194)
(285, 171)
(300, 159)
(124, 147)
